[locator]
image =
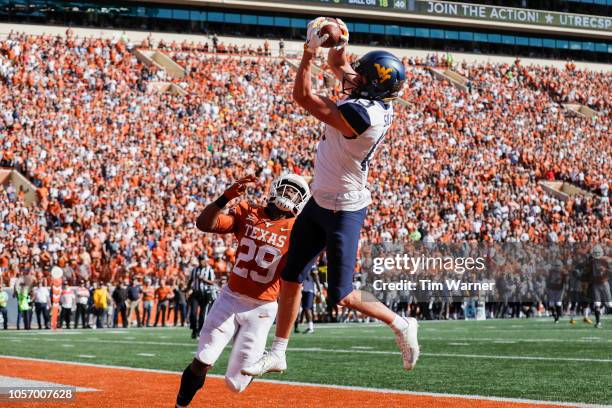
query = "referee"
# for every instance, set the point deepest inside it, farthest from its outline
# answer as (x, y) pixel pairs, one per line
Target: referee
(201, 284)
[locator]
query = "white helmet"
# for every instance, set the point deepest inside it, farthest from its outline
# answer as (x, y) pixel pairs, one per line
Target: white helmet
(597, 252)
(289, 193)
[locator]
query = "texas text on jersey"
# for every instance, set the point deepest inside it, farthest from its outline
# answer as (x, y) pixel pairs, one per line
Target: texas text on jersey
(262, 245)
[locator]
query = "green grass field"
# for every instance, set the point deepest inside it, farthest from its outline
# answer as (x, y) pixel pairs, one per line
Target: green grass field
(532, 359)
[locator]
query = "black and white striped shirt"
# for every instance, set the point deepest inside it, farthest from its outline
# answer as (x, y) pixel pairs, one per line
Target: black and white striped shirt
(198, 275)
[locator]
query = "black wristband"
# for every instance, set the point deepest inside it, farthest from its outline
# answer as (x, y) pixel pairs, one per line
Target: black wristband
(221, 201)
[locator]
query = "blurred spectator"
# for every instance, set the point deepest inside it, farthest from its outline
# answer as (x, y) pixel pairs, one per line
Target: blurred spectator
(120, 298)
(82, 302)
(24, 309)
(100, 303)
(67, 302)
(148, 297)
(109, 313)
(310, 287)
(180, 303)
(3, 305)
(267, 52)
(134, 301)
(42, 304)
(163, 295)
(91, 316)
(215, 41)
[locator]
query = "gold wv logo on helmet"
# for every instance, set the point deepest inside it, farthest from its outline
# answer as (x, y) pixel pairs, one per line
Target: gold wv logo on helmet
(383, 72)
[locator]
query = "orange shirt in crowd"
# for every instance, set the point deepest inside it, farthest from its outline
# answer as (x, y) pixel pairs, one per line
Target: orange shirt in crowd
(162, 293)
(148, 293)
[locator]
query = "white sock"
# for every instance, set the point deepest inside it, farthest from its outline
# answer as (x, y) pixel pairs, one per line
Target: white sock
(279, 345)
(398, 324)
(310, 326)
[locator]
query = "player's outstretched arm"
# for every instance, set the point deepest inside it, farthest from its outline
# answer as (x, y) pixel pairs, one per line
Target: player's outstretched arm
(338, 62)
(337, 57)
(319, 106)
(211, 219)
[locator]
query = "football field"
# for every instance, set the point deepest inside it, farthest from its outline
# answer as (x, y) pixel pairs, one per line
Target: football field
(509, 360)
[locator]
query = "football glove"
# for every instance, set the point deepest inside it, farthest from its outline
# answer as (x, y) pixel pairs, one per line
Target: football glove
(239, 187)
(344, 38)
(313, 40)
(314, 26)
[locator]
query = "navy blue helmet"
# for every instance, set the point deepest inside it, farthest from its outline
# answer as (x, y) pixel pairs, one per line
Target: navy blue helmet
(383, 74)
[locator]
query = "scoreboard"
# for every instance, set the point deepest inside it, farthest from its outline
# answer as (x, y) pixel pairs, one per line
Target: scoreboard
(384, 4)
(494, 14)
(393, 4)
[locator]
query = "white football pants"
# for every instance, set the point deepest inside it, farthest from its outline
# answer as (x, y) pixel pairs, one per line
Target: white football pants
(244, 319)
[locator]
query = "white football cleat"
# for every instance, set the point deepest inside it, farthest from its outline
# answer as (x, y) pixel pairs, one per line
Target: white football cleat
(269, 363)
(408, 343)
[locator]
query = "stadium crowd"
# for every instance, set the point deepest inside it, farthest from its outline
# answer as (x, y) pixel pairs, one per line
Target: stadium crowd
(95, 305)
(522, 282)
(122, 171)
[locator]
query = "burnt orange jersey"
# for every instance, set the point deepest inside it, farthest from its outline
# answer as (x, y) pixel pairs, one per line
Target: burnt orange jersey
(557, 278)
(262, 245)
(597, 270)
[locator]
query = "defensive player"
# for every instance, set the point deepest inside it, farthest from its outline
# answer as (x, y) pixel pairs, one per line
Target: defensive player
(597, 269)
(578, 287)
(556, 284)
(575, 295)
(246, 307)
(333, 217)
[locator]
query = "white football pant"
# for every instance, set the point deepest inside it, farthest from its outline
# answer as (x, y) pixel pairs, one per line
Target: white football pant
(244, 319)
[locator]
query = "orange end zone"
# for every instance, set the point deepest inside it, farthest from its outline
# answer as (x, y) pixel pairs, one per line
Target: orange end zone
(119, 388)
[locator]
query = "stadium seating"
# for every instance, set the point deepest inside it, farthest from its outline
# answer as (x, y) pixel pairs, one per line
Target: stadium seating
(122, 172)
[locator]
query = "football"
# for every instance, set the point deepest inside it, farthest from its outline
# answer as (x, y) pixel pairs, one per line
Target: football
(334, 32)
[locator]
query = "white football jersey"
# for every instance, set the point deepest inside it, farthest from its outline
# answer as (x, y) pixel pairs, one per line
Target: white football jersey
(341, 167)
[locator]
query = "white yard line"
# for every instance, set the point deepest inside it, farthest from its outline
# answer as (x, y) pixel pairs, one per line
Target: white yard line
(515, 340)
(538, 358)
(46, 332)
(476, 356)
(337, 387)
(18, 382)
(475, 339)
(14, 336)
(352, 351)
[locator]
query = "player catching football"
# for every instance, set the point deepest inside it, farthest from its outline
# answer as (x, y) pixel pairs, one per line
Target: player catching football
(333, 217)
(246, 307)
